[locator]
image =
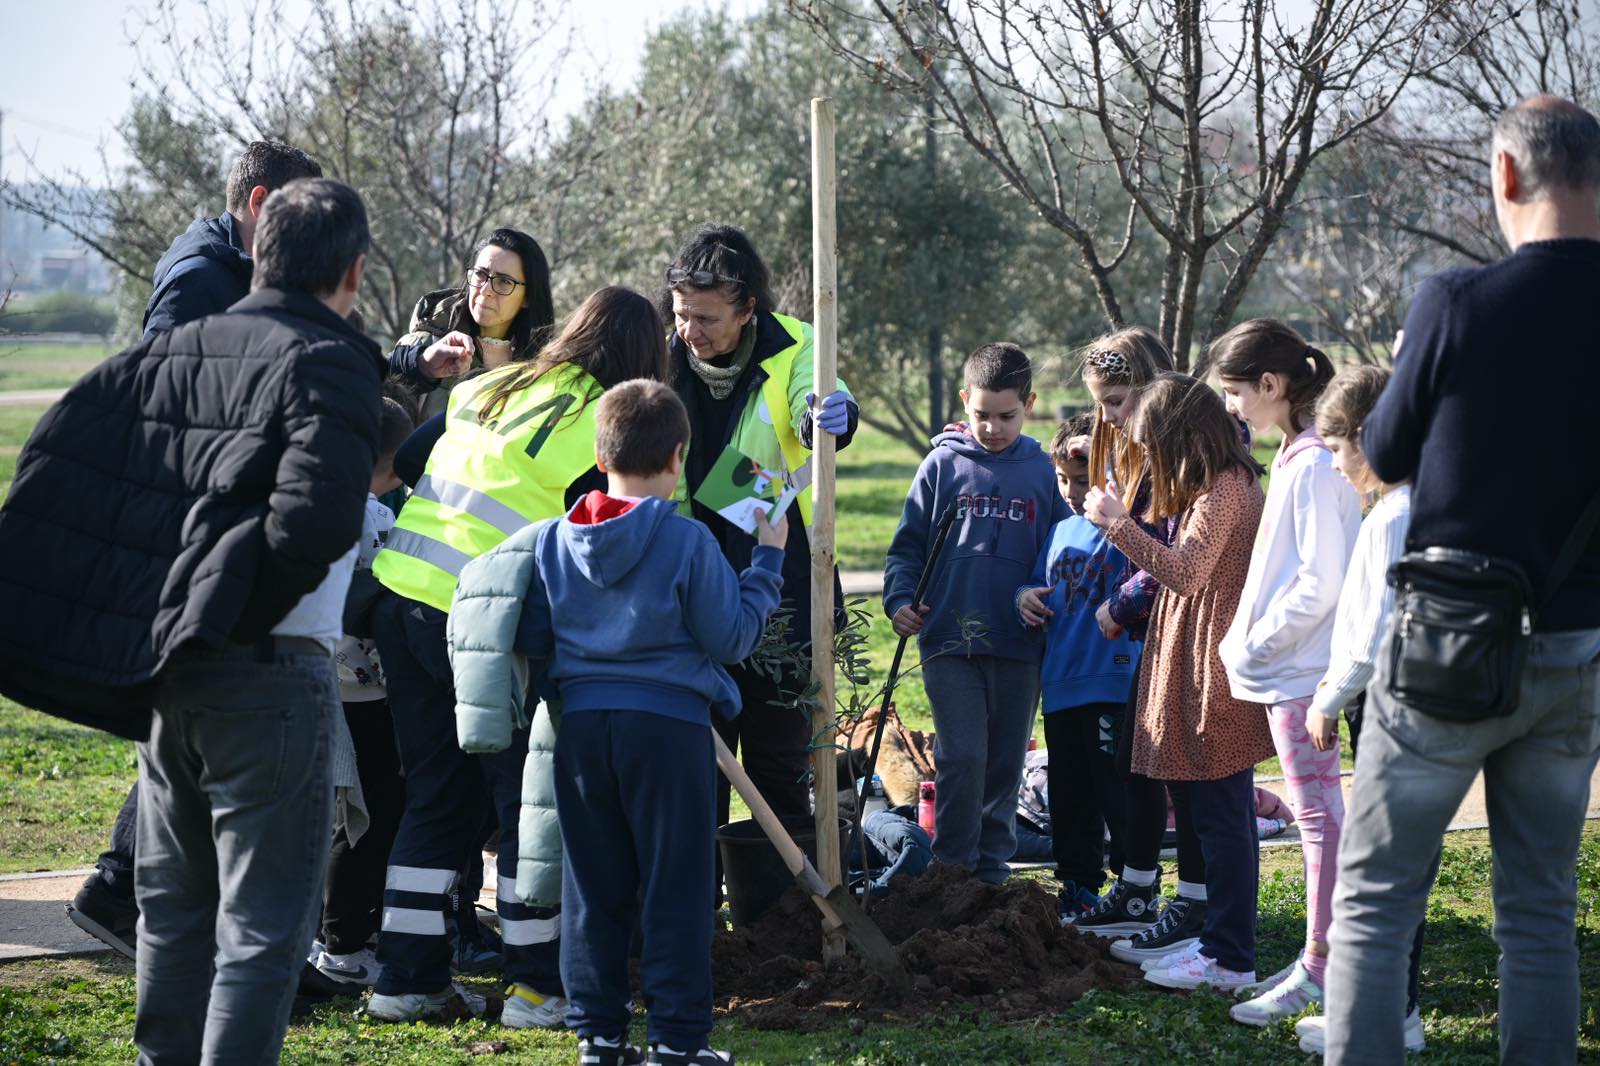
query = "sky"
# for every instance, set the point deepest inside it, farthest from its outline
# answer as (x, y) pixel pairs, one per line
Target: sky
(66, 69)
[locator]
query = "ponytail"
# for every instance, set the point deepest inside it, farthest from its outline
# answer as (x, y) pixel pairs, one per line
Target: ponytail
(1267, 346)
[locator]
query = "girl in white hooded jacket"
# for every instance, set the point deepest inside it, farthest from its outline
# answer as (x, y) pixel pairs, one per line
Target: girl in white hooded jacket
(1277, 648)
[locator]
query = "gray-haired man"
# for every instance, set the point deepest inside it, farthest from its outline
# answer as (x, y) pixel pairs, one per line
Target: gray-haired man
(1525, 330)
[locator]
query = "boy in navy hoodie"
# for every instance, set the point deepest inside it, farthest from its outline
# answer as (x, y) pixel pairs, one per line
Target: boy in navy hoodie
(1085, 680)
(983, 692)
(637, 610)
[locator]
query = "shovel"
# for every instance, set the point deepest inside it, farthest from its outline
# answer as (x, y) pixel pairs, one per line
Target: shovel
(942, 531)
(839, 911)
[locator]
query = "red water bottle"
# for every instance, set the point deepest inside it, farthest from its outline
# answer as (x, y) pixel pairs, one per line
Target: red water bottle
(925, 808)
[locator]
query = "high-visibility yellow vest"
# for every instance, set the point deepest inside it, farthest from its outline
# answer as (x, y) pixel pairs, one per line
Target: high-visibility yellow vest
(485, 481)
(768, 426)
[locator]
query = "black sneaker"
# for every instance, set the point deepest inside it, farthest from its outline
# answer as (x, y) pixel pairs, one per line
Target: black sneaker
(1178, 927)
(661, 1055)
(105, 915)
(1123, 910)
(603, 1051)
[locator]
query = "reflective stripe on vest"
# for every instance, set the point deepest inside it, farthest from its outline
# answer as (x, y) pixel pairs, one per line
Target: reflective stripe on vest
(485, 481)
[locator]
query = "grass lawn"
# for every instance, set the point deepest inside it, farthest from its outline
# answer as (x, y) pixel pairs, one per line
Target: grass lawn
(61, 785)
(81, 1010)
(46, 366)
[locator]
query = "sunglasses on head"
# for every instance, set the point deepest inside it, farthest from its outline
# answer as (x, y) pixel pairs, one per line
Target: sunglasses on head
(703, 279)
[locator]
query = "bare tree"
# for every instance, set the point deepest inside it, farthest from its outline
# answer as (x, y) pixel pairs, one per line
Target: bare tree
(1436, 146)
(1203, 117)
(437, 113)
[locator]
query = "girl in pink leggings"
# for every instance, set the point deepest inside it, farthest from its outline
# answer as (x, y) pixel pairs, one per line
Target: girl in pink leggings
(1277, 648)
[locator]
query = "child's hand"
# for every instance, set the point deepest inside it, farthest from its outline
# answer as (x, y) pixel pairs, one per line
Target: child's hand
(1078, 447)
(1103, 506)
(1323, 730)
(908, 621)
(1030, 605)
(769, 535)
(1108, 625)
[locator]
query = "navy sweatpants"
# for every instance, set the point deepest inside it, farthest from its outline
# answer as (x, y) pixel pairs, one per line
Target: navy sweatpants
(635, 793)
(443, 819)
(1224, 814)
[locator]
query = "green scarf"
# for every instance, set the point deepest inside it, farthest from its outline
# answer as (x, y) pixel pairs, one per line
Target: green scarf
(720, 380)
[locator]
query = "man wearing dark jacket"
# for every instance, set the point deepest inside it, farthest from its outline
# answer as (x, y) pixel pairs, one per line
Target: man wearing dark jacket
(207, 269)
(205, 272)
(175, 551)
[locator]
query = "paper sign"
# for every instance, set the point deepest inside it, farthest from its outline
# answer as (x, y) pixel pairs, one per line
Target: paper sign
(738, 486)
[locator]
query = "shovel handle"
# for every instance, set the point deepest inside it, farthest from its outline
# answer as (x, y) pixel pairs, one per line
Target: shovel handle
(788, 850)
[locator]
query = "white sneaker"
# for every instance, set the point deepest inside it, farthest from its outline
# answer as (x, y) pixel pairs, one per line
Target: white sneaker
(1172, 958)
(1313, 1033)
(1197, 970)
(453, 1002)
(357, 968)
(1287, 998)
(527, 1009)
(1261, 988)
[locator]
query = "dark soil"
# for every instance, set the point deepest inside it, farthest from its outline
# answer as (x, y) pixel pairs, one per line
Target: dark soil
(970, 947)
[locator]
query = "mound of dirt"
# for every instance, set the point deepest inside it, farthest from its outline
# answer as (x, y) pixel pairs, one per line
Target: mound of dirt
(969, 947)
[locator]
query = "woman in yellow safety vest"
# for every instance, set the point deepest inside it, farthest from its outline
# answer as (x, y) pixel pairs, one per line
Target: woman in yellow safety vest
(516, 445)
(745, 374)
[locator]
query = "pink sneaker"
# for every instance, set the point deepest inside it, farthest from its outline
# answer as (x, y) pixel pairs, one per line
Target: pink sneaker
(1289, 998)
(1197, 970)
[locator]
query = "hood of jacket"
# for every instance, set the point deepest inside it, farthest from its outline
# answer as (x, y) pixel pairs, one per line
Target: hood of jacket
(604, 545)
(1021, 450)
(216, 239)
(439, 312)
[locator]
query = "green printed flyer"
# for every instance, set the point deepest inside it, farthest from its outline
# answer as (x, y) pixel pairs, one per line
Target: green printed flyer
(738, 486)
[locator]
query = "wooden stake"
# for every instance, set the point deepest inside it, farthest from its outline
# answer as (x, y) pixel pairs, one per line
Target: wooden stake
(825, 321)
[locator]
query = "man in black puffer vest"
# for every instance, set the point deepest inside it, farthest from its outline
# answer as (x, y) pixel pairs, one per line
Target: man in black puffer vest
(174, 554)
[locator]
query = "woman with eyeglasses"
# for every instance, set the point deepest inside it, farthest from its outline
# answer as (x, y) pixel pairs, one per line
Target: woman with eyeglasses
(501, 313)
(745, 374)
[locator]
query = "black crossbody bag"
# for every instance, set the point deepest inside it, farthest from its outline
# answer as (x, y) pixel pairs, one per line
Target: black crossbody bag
(1463, 622)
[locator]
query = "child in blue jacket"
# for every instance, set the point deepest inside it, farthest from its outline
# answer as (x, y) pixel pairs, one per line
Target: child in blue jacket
(982, 691)
(1085, 680)
(638, 611)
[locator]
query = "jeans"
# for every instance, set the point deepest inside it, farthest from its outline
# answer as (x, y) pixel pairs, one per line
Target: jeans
(982, 716)
(235, 812)
(1412, 775)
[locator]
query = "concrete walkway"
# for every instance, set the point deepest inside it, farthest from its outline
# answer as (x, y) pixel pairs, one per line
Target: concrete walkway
(33, 919)
(30, 397)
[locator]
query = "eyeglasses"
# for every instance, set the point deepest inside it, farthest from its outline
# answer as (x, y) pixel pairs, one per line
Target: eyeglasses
(703, 279)
(501, 284)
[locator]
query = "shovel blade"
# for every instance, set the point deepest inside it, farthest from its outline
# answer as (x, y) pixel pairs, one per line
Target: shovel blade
(865, 936)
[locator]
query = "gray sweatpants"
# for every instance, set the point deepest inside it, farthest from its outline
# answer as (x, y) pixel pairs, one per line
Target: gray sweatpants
(983, 709)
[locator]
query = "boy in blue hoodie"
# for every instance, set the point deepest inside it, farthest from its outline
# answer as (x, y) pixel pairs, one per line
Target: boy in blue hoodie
(1085, 680)
(637, 610)
(983, 692)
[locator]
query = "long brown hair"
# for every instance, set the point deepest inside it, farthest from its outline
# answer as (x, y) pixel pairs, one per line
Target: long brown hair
(1188, 438)
(1267, 346)
(1132, 357)
(615, 336)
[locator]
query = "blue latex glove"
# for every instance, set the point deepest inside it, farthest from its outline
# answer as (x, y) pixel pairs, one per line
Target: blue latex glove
(834, 414)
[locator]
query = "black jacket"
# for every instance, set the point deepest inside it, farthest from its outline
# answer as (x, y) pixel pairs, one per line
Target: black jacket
(207, 270)
(191, 488)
